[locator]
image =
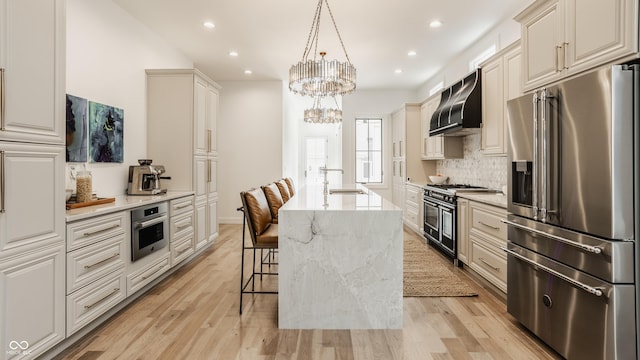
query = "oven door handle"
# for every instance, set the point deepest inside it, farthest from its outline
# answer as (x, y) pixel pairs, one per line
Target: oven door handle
(590, 289)
(589, 248)
(144, 224)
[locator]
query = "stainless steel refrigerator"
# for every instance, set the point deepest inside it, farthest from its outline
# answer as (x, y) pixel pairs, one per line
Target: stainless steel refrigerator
(573, 222)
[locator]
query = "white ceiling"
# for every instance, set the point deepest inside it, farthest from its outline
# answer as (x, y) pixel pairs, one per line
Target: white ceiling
(270, 35)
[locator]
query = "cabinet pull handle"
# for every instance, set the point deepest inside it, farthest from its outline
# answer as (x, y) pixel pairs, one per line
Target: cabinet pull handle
(113, 226)
(564, 58)
(2, 209)
(182, 251)
(102, 261)
(557, 59)
(183, 223)
(487, 225)
(160, 267)
(102, 298)
(2, 98)
(488, 264)
(209, 172)
(182, 206)
(400, 148)
(209, 140)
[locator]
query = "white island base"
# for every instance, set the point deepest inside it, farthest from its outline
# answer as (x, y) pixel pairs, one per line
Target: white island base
(340, 265)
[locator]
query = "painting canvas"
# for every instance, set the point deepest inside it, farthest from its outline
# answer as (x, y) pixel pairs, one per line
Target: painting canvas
(76, 139)
(106, 133)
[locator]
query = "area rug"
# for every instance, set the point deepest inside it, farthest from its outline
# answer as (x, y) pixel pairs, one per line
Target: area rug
(425, 274)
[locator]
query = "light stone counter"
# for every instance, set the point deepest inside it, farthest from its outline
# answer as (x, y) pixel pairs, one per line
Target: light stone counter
(495, 199)
(340, 261)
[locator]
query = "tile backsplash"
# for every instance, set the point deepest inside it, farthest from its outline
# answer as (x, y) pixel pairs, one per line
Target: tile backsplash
(474, 168)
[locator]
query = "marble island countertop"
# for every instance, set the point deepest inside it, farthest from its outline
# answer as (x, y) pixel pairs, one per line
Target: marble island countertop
(311, 197)
(340, 261)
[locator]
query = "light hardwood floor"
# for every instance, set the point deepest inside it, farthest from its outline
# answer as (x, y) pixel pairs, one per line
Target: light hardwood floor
(193, 314)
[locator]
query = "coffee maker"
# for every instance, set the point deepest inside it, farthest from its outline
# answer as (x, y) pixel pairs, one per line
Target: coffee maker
(145, 178)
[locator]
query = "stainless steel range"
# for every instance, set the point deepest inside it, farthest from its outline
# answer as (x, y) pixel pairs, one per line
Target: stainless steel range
(440, 217)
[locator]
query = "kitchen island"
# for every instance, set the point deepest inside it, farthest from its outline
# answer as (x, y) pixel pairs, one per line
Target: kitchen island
(340, 261)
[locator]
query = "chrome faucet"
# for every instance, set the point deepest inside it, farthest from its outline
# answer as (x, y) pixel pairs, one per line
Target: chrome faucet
(326, 182)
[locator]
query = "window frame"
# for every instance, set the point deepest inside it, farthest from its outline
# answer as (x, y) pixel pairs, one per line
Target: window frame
(369, 150)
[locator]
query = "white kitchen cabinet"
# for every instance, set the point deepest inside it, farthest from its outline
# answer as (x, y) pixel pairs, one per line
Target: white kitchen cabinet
(145, 275)
(32, 62)
(437, 147)
(98, 249)
(487, 236)
(463, 230)
(564, 37)
(501, 81)
(407, 161)
(413, 207)
(182, 107)
(181, 229)
(33, 306)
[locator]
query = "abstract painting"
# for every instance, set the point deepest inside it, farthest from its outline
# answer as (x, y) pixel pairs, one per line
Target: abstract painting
(76, 139)
(106, 133)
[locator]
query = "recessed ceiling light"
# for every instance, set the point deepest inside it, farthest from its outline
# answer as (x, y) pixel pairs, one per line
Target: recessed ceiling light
(233, 53)
(435, 24)
(398, 71)
(248, 72)
(411, 53)
(209, 25)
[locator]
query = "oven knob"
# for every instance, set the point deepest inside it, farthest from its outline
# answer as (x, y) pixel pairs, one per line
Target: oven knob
(546, 299)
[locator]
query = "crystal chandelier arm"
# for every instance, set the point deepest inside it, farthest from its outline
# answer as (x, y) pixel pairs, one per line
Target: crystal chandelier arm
(338, 32)
(313, 34)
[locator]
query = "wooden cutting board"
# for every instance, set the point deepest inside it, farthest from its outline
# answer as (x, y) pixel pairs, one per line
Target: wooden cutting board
(97, 201)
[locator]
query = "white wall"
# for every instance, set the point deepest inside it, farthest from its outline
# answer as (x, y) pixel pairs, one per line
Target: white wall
(501, 36)
(370, 103)
(249, 141)
(107, 53)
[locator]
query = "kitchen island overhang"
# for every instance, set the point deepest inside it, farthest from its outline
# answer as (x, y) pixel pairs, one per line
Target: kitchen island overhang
(340, 261)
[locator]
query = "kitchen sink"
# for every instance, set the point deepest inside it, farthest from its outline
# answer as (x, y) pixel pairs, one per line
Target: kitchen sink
(347, 191)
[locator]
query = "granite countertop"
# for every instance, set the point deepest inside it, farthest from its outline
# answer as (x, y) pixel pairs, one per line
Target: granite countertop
(123, 202)
(495, 199)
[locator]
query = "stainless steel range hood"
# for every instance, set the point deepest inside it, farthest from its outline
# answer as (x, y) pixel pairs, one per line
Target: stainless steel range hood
(460, 110)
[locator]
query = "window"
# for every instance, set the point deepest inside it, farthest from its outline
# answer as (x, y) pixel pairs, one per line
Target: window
(369, 150)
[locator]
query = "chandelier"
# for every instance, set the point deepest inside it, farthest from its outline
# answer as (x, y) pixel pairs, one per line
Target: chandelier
(320, 77)
(322, 115)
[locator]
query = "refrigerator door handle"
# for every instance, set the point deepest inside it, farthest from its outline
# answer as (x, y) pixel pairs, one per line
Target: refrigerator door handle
(534, 185)
(590, 289)
(589, 248)
(545, 156)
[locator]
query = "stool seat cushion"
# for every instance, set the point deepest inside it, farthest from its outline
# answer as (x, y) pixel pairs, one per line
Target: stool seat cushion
(269, 238)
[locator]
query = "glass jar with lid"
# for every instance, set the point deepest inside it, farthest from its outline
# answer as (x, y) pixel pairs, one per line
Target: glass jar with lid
(83, 186)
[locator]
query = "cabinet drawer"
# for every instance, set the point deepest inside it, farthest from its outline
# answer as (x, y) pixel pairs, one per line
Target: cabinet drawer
(94, 261)
(86, 232)
(486, 220)
(142, 277)
(181, 225)
(181, 205)
(414, 195)
(491, 265)
(182, 249)
(411, 216)
(86, 304)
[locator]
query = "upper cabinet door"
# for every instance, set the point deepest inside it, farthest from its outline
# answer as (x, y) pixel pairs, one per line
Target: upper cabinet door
(33, 61)
(598, 31)
(542, 37)
(200, 116)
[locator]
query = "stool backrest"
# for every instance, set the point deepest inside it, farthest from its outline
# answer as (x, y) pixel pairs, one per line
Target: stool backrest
(284, 190)
(256, 211)
(289, 182)
(274, 198)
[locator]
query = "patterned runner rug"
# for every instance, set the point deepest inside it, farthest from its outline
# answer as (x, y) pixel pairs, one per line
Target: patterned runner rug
(425, 274)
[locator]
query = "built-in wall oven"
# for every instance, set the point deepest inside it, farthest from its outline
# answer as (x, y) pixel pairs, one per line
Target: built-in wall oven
(149, 229)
